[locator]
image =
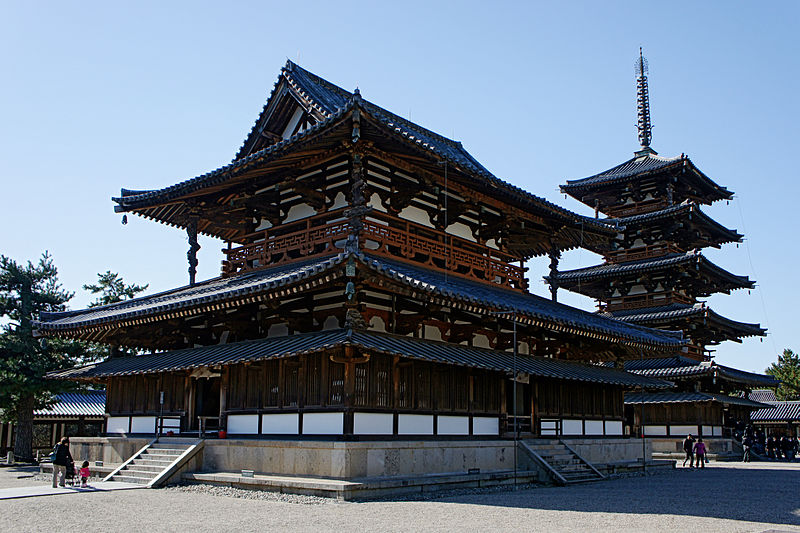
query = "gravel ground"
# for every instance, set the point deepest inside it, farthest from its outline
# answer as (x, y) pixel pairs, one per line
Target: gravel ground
(725, 497)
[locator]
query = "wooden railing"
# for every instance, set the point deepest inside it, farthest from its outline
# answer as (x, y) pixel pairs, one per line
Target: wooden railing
(645, 252)
(641, 301)
(381, 234)
(636, 208)
(307, 238)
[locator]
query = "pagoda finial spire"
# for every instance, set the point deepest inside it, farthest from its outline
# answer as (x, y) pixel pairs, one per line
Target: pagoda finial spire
(643, 103)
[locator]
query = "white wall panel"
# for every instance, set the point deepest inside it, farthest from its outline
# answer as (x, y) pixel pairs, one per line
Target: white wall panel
(572, 427)
(117, 424)
(655, 430)
(143, 424)
(280, 424)
(415, 425)
(613, 427)
(682, 431)
(594, 427)
(323, 423)
(452, 425)
(482, 425)
(243, 424)
(373, 424)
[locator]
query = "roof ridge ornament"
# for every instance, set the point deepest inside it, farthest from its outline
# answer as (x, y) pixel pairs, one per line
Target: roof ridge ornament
(643, 124)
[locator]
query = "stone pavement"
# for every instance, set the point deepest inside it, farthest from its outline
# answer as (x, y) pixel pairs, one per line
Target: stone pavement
(47, 490)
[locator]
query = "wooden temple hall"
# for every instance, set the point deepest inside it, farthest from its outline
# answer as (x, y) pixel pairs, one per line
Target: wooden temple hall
(373, 285)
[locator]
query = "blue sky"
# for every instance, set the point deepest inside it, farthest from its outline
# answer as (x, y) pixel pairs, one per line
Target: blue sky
(102, 95)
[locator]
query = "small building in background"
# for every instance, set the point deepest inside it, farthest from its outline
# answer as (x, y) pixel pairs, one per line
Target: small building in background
(782, 417)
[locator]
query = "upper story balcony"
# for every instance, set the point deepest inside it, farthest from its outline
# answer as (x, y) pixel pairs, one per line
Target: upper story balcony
(644, 301)
(381, 234)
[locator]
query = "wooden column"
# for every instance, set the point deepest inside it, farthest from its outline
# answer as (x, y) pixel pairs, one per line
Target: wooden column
(223, 396)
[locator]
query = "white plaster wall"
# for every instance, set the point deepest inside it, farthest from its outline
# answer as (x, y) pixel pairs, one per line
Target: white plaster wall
(461, 230)
(594, 427)
(117, 424)
(682, 431)
(296, 212)
(415, 214)
(432, 333)
(339, 201)
(173, 424)
(655, 430)
(712, 431)
(293, 122)
(280, 424)
(278, 330)
(613, 427)
(480, 341)
(323, 423)
(572, 427)
(243, 424)
(373, 424)
(330, 323)
(549, 427)
(143, 424)
(483, 425)
(375, 203)
(415, 425)
(376, 323)
(452, 425)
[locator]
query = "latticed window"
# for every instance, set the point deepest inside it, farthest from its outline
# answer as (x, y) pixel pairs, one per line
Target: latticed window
(271, 390)
(335, 384)
(290, 380)
(314, 379)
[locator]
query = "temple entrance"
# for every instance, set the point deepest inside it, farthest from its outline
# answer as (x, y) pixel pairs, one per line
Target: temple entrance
(205, 407)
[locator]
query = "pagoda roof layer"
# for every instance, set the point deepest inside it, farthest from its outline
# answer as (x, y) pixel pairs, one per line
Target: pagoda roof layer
(778, 411)
(720, 233)
(678, 367)
(718, 279)
(762, 395)
(645, 165)
(662, 316)
(294, 345)
(334, 104)
(273, 282)
(688, 397)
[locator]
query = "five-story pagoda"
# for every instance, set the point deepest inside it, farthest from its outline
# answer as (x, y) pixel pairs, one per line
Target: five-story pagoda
(656, 274)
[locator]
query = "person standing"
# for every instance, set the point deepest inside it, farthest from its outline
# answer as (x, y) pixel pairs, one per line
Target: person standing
(700, 452)
(746, 444)
(771, 447)
(63, 458)
(688, 446)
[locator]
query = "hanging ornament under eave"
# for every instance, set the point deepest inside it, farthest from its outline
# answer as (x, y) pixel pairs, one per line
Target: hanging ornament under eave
(124, 220)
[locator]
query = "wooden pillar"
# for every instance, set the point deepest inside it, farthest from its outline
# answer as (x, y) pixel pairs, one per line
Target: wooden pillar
(223, 396)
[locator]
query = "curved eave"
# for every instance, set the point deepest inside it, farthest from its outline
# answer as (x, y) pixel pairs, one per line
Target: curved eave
(597, 183)
(719, 279)
(723, 328)
(688, 211)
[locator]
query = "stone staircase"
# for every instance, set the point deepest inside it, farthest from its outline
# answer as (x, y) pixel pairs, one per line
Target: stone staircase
(156, 463)
(562, 463)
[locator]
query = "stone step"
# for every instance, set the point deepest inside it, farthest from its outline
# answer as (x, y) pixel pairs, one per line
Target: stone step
(168, 449)
(159, 456)
(132, 479)
(135, 465)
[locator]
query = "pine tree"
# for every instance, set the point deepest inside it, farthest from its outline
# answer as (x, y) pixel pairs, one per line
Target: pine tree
(787, 370)
(26, 291)
(112, 289)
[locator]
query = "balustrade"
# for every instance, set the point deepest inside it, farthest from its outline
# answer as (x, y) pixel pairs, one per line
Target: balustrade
(381, 234)
(645, 252)
(641, 301)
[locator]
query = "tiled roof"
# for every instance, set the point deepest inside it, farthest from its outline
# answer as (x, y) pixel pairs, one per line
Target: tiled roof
(762, 395)
(677, 367)
(680, 210)
(640, 166)
(332, 102)
(778, 412)
(607, 270)
(655, 316)
(289, 346)
(205, 293)
(549, 314)
(74, 404)
(684, 397)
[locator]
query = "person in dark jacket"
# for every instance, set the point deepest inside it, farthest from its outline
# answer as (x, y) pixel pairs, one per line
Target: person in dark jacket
(60, 463)
(688, 446)
(747, 443)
